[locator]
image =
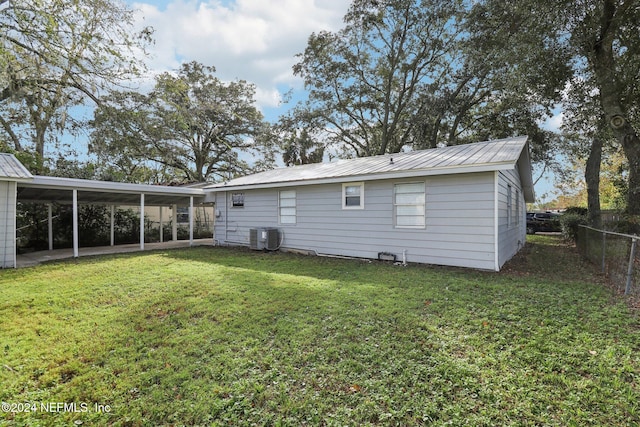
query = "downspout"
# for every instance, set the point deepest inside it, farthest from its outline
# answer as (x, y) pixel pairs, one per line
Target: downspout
(496, 221)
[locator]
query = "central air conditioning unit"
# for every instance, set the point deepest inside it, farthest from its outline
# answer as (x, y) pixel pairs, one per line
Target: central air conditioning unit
(264, 238)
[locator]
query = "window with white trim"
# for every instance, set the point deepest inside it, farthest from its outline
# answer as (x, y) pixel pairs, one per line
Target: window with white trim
(409, 205)
(353, 195)
(287, 207)
(237, 200)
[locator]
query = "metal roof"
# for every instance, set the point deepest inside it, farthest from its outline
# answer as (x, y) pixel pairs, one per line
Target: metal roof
(11, 169)
(53, 189)
(476, 157)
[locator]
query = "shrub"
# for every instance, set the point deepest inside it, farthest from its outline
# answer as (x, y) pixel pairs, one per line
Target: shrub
(570, 225)
(627, 224)
(577, 210)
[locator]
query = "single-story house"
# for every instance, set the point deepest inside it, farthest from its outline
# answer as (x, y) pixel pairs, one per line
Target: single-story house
(461, 206)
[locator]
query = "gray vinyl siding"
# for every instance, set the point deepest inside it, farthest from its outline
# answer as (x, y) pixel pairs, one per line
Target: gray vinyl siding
(511, 237)
(459, 227)
(7, 224)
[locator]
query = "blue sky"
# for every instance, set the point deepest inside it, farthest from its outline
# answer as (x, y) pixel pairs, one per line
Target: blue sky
(252, 40)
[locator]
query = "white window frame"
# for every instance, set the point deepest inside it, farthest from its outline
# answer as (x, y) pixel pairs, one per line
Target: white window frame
(285, 204)
(344, 195)
(241, 198)
(422, 204)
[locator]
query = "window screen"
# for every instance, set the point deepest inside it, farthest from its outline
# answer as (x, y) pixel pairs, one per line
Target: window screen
(409, 205)
(353, 196)
(287, 207)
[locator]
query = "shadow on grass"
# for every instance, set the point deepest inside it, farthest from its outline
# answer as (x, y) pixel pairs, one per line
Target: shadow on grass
(231, 336)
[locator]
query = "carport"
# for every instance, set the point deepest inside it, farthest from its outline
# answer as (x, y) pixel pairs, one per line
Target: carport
(21, 186)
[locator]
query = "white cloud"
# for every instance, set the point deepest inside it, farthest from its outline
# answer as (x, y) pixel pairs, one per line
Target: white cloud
(554, 122)
(253, 40)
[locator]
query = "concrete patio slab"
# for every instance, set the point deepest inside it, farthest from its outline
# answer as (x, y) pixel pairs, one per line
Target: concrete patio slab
(35, 258)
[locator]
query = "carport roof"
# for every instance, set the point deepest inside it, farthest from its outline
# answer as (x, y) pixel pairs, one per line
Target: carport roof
(47, 189)
(11, 169)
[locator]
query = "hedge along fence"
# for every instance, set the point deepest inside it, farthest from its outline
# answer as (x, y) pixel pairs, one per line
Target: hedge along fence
(617, 254)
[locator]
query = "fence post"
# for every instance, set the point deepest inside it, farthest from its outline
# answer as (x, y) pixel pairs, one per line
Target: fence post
(632, 257)
(604, 252)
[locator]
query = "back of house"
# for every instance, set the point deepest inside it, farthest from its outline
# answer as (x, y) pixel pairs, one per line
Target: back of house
(458, 206)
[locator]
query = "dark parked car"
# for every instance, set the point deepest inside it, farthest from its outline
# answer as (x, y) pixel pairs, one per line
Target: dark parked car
(543, 222)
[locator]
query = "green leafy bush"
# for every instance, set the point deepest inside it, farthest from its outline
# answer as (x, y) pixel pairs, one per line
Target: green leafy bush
(570, 223)
(627, 224)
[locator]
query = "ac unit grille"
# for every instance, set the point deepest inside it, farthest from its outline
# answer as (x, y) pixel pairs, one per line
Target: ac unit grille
(254, 239)
(273, 239)
(264, 238)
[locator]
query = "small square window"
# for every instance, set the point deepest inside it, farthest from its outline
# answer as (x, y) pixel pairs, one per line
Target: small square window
(353, 195)
(237, 200)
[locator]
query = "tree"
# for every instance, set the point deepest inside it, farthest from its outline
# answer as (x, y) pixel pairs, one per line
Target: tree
(415, 74)
(364, 81)
(597, 41)
(192, 123)
(55, 55)
(300, 149)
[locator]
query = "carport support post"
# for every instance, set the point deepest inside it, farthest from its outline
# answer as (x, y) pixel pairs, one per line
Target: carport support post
(191, 221)
(50, 225)
(75, 223)
(174, 228)
(161, 231)
(113, 225)
(142, 221)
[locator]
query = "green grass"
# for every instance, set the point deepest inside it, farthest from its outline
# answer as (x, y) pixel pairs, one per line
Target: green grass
(210, 336)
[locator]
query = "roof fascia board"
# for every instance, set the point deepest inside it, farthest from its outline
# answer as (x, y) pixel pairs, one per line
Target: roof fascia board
(57, 183)
(524, 168)
(373, 177)
(10, 179)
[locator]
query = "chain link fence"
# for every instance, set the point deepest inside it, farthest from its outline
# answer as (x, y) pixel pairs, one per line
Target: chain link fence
(618, 256)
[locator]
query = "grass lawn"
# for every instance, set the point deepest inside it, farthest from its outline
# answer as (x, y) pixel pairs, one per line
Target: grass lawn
(212, 336)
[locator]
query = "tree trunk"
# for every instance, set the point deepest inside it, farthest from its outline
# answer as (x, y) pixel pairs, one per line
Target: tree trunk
(592, 177)
(604, 66)
(631, 148)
